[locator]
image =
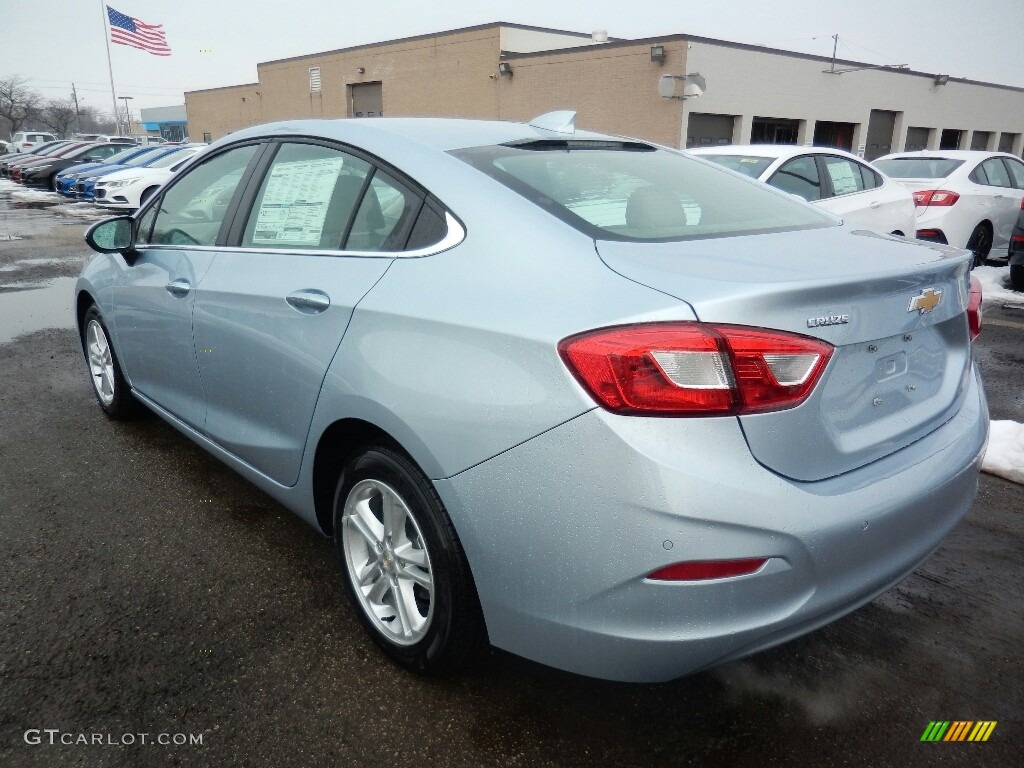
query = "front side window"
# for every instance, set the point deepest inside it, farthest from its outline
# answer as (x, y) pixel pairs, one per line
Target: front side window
(191, 212)
(306, 199)
(844, 175)
(1016, 168)
(613, 190)
(799, 177)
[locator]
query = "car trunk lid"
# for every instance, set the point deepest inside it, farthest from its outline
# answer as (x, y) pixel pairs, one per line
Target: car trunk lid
(893, 309)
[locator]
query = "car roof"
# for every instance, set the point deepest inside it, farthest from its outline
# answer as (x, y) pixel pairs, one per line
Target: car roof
(950, 154)
(771, 150)
(437, 133)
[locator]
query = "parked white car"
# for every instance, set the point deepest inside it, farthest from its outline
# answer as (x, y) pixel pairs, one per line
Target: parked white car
(836, 181)
(130, 188)
(24, 141)
(969, 199)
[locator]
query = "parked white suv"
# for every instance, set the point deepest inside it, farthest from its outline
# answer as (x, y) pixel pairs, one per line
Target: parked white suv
(23, 141)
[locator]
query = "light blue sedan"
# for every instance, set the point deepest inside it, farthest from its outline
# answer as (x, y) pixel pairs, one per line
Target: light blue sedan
(592, 401)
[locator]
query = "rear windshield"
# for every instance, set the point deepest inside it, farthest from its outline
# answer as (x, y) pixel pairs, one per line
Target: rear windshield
(918, 167)
(634, 192)
(748, 165)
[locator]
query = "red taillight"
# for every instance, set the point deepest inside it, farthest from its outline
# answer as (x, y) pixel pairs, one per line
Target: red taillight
(695, 369)
(974, 308)
(939, 197)
(27, 144)
(699, 570)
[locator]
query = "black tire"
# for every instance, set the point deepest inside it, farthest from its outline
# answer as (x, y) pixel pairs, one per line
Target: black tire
(454, 631)
(1017, 277)
(980, 244)
(117, 403)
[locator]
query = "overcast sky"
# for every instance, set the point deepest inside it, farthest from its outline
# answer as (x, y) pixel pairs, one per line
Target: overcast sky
(219, 42)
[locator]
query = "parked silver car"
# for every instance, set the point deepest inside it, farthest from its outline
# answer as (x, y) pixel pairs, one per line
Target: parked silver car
(598, 403)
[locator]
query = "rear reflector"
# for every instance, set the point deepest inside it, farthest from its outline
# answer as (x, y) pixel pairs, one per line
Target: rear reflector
(939, 197)
(695, 369)
(700, 570)
(974, 308)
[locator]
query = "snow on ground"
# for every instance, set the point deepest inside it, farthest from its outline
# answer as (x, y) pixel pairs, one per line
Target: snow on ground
(6, 185)
(995, 286)
(81, 210)
(1005, 454)
(35, 195)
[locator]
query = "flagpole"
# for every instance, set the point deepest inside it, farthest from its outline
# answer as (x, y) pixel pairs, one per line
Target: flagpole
(110, 67)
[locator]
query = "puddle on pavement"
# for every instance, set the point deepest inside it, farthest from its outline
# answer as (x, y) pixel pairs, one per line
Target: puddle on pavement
(36, 309)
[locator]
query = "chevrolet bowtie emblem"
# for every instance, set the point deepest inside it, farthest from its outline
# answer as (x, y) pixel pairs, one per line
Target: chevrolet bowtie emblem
(925, 301)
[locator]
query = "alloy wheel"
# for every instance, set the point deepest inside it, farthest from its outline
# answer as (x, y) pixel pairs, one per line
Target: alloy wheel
(387, 562)
(101, 362)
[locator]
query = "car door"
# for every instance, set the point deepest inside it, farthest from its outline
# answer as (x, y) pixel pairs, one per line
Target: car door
(319, 231)
(1001, 201)
(153, 304)
(1016, 170)
(859, 194)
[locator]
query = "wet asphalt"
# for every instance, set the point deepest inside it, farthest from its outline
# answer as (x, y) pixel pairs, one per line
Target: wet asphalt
(146, 589)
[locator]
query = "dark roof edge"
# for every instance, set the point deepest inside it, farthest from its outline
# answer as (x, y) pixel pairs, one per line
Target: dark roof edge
(620, 42)
(222, 88)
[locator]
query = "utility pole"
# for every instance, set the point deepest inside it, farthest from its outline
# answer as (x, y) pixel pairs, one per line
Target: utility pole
(835, 47)
(78, 114)
(127, 115)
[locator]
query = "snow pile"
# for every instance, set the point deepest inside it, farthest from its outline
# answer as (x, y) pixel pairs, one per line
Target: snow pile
(81, 210)
(34, 195)
(995, 286)
(1005, 454)
(6, 185)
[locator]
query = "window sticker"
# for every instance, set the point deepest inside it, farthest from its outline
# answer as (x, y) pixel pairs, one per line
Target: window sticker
(843, 182)
(295, 202)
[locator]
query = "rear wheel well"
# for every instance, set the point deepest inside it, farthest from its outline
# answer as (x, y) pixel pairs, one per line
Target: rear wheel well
(337, 444)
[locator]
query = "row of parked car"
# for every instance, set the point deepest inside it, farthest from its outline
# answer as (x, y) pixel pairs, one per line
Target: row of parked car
(109, 174)
(26, 141)
(969, 199)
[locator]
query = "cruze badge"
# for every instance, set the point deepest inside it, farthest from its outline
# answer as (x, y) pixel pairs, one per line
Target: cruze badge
(817, 322)
(925, 301)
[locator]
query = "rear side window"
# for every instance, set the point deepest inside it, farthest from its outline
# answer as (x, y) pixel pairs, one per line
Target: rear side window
(635, 192)
(995, 173)
(844, 174)
(306, 199)
(799, 177)
(918, 167)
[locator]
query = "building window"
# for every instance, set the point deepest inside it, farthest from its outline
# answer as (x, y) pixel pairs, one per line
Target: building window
(207, 137)
(950, 138)
(835, 135)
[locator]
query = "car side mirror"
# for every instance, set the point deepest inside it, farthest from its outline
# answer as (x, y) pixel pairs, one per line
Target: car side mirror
(113, 236)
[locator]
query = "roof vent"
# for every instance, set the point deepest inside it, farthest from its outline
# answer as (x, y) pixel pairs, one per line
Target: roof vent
(599, 35)
(314, 79)
(563, 121)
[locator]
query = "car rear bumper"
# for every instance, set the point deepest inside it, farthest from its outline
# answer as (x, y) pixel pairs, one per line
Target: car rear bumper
(562, 530)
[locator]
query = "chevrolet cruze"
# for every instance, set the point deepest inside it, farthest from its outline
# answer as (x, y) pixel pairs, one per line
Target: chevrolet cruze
(592, 401)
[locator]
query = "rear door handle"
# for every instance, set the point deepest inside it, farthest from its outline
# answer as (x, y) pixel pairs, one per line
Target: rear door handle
(179, 288)
(875, 204)
(309, 301)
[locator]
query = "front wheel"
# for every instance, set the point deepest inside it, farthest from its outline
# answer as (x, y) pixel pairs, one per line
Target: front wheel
(108, 382)
(404, 568)
(980, 243)
(1017, 277)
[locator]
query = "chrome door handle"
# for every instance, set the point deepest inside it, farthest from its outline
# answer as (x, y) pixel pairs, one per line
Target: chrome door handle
(179, 288)
(309, 302)
(875, 204)
(999, 197)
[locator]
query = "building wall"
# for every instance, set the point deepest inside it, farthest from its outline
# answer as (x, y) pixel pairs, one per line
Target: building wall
(613, 89)
(219, 111)
(758, 83)
(521, 40)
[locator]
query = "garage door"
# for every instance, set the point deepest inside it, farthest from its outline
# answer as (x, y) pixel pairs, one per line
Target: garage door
(706, 130)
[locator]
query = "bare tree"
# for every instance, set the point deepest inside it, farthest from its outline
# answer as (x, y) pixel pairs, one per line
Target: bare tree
(95, 121)
(59, 115)
(18, 103)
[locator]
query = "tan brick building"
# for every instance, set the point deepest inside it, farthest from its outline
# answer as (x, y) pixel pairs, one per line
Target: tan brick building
(514, 72)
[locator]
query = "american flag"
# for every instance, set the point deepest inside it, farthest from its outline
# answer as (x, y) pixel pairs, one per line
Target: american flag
(128, 31)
